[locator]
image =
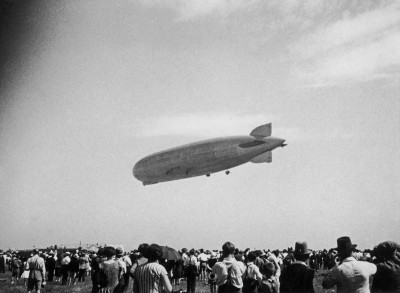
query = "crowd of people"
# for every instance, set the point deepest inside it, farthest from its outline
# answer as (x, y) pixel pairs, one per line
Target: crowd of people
(227, 270)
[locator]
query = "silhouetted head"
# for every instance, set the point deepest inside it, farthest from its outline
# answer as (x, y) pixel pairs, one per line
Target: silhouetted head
(228, 248)
(301, 251)
(154, 252)
(345, 248)
(251, 257)
(143, 249)
(109, 251)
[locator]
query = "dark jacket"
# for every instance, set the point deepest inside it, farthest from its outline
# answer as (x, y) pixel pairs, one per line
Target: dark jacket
(297, 277)
(387, 277)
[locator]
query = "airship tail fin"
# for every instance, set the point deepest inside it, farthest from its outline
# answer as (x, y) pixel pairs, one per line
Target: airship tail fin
(262, 131)
(263, 158)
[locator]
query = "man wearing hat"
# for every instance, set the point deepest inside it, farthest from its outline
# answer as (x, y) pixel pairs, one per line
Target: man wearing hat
(297, 276)
(349, 275)
(37, 272)
(125, 264)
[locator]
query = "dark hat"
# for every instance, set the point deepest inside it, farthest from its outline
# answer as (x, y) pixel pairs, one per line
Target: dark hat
(119, 251)
(35, 251)
(109, 251)
(386, 249)
(344, 244)
(100, 252)
(301, 248)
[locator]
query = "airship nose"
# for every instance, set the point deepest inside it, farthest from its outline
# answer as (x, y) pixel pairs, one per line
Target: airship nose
(136, 171)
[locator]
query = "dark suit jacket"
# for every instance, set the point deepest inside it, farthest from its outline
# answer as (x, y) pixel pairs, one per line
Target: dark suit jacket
(297, 277)
(387, 277)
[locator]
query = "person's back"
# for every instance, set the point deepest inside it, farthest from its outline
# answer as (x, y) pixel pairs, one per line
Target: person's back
(350, 275)
(353, 275)
(111, 270)
(251, 276)
(151, 277)
(228, 272)
(148, 276)
(270, 285)
(297, 276)
(387, 277)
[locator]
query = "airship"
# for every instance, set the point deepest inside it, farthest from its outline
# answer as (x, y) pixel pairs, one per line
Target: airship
(208, 156)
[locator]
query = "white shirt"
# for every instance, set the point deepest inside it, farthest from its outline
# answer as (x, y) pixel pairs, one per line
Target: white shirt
(350, 276)
(190, 260)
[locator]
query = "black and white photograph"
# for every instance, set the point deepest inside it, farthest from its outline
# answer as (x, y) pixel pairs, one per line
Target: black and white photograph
(200, 146)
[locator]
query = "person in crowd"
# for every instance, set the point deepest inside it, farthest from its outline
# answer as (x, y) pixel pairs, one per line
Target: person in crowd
(97, 260)
(240, 261)
(349, 275)
(202, 258)
(25, 274)
(212, 260)
(259, 261)
(50, 266)
(2, 263)
(288, 258)
(151, 277)
(58, 272)
(83, 261)
(128, 262)
(16, 266)
(251, 276)
(228, 272)
(191, 270)
(66, 259)
(140, 259)
(185, 254)
(111, 271)
(73, 269)
(276, 261)
(297, 276)
(387, 277)
(122, 285)
(37, 272)
(177, 272)
(269, 282)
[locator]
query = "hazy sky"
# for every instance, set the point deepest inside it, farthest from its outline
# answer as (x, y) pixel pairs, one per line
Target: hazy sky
(90, 87)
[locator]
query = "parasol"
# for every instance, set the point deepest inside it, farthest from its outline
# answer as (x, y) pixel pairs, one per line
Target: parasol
(169, 253)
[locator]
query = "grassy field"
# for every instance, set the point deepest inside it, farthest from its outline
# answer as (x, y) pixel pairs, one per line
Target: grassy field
(86, 287)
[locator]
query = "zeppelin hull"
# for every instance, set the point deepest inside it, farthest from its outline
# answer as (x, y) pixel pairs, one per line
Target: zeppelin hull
(201, 158)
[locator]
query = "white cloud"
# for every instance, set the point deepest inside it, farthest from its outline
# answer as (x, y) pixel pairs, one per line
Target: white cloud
(192, 9)
(376, 60)
(350, 31)
(364, 47)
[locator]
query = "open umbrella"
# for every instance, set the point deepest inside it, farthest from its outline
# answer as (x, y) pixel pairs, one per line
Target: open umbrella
(169, 253)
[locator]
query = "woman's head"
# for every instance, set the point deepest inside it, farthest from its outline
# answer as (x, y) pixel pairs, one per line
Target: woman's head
(154, 252)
